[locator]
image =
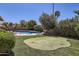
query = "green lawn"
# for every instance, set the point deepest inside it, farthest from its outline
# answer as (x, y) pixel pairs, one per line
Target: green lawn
(21, 49)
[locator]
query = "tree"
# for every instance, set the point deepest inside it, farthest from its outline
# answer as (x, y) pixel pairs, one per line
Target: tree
(5, 24)
(77, 29)
(23, 24)
(38, 28)
(15, 27)
(77, 12)
(10, 26)
(47, 21)
(1, 19)
(31, 24)
(57, 14)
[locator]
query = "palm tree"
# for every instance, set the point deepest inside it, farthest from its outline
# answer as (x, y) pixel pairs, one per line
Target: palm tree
(5, 24)
(23, 24)
(10, 26)
(1, 22)
(15, 27)
(57, 14)
(77, 12)
(1, 19)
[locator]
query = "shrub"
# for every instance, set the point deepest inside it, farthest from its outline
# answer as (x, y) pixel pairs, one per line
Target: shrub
(38, 28)
(68, 29)
(77, 29)
(49, 33)
(7, 41)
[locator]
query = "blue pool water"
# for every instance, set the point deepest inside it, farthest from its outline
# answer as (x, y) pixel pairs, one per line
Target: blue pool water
(26, 33)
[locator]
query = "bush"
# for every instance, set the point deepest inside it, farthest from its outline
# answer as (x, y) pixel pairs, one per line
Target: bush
(49, 33)
(38, 28)
(77, 29)
(7, 41)
(67, 29)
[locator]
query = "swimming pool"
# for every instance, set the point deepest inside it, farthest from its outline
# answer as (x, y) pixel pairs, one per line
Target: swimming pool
(27, 33)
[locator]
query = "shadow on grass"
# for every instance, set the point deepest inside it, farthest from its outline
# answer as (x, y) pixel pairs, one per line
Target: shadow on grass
(10, 53)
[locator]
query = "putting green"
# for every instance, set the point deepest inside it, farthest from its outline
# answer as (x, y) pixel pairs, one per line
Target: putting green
(47, 43)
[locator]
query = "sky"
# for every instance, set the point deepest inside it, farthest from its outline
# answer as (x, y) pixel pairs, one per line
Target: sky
(66, 9)
(16, 12)
(28, 11)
